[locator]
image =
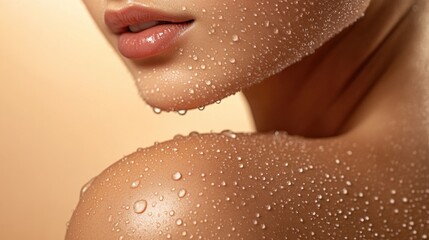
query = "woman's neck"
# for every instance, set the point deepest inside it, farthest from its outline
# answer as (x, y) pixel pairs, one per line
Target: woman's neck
(317, 96)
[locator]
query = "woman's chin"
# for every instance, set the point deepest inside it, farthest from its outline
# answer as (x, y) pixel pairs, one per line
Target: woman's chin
(176, 96)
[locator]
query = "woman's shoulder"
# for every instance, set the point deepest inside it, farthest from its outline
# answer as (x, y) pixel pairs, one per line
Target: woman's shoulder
(263, 186)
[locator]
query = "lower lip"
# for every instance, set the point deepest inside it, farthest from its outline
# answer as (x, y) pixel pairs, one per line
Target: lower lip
(151, 41)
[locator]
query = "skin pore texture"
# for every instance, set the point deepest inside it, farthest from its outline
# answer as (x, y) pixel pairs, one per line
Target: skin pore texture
(355, 164)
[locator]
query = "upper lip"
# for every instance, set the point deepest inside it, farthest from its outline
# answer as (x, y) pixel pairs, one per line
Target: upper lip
(120, 20)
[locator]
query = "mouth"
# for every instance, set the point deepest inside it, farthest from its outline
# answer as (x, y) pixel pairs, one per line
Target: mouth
(145, 32)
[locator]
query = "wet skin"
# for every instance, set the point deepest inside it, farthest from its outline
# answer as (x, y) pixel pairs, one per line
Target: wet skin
(363, 174)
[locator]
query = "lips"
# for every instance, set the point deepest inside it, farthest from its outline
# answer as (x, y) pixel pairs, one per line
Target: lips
(145, 32)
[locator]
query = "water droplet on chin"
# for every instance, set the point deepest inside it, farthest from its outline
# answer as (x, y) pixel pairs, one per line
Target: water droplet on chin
(182, 112)
(156, 110)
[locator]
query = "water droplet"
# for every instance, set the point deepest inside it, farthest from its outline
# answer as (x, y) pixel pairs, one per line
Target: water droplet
(232, 60)
(140, 206)
(181, 193)
(267, 23)
(229, 133)
(182, 112)
(135, 184)
(235, 38)
(86, 187)
(156, 110)
(177, 176)
(179, 222)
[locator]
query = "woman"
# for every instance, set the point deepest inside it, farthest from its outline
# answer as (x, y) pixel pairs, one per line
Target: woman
(355, 165)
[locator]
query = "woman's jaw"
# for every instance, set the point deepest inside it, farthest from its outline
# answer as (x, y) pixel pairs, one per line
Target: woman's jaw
(185, 55)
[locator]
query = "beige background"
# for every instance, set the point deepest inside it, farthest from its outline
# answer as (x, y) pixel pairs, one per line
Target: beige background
(68, 109)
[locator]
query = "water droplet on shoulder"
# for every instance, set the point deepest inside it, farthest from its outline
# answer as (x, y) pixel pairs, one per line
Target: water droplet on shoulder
(181, 193)
(140, 206)
(177, 176)
(85, 187)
